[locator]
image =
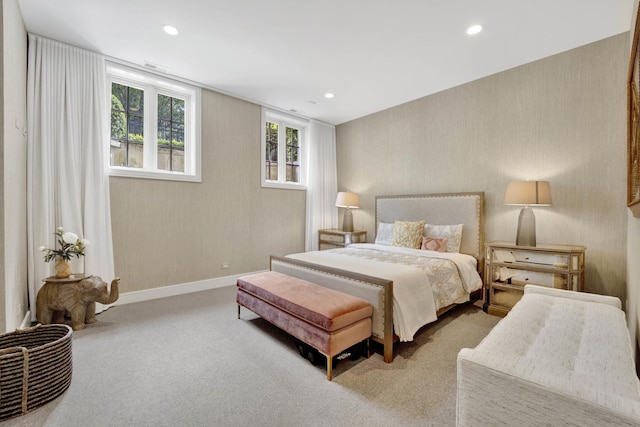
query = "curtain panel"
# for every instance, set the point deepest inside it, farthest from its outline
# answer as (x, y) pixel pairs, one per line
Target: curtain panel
(67, 181)
(322, 182)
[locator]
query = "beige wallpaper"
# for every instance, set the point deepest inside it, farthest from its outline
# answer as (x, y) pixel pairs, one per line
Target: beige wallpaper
(168, 233)
(560, 119)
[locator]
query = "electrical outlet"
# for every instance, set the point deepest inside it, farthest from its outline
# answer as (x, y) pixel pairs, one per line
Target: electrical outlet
(226, 265)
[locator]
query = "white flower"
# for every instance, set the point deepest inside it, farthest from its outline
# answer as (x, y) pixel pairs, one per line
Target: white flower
(68, 245)
(42, 248)
(70, 237)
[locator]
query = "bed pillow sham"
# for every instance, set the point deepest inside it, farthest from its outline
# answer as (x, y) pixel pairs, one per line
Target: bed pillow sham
(434, 244)
(408, 234)
(453, 234)
(384, 236)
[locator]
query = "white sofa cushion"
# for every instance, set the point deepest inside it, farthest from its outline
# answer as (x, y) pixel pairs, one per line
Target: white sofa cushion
(580, 348)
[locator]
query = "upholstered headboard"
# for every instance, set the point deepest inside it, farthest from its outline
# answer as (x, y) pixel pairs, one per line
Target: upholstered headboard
(440, 209)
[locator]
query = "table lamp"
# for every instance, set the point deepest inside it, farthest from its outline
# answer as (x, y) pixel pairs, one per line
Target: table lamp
(348, 200)
(527, 194)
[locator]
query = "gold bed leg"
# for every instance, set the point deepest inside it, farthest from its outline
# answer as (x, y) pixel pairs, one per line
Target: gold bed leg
(368, 349)
(388, 350)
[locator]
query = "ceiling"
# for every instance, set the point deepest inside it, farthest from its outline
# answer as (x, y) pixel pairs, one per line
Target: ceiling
(372, 54)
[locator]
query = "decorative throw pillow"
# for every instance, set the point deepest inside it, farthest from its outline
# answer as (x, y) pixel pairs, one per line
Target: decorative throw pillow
(384, 236)
(434, 244)
(453, 234)
(408, 234)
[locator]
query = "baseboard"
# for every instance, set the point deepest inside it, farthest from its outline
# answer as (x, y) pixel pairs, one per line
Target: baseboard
(180, 289)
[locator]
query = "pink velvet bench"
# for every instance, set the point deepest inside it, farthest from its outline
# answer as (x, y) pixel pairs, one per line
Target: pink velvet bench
(325, 319)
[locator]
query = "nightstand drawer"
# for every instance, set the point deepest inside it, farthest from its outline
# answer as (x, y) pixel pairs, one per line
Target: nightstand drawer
(524, 277)
(332, 238)
(335, 238)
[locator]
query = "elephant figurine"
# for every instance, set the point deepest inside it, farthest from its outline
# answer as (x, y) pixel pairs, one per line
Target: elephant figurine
(78, 298)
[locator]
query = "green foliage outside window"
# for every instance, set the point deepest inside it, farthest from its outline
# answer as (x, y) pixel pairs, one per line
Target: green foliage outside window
(118, 119)
(171, 121)
(292, 145)
(176, 144)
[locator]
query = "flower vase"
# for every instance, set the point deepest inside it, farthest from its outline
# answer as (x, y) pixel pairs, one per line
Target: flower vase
(63, 268)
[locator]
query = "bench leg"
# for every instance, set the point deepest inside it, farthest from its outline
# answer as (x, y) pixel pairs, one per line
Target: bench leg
(329, 367)
(238, 311)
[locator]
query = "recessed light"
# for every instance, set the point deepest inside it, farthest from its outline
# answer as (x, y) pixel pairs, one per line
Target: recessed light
(328, 95)
(474, 29)
(171, 30)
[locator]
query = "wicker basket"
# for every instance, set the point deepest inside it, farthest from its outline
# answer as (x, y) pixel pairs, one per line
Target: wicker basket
(35, 367)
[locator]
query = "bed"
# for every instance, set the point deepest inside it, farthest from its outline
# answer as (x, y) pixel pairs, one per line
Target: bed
(407, 287)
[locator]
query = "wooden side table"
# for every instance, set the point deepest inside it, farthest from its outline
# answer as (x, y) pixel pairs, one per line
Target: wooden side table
(73, 278)
(509, 268)
(331, 238)
(46, 301)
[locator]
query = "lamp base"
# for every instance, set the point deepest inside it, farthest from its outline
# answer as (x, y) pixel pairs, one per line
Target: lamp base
(526, 228)
(347, 220)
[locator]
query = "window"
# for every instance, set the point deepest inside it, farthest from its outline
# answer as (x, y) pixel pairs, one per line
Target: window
(127, 126)
(170, 133)
(282, 150)
(154, 126)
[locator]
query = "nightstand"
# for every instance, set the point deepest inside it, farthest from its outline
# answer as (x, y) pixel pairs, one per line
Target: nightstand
(331, 238)
(508, 268)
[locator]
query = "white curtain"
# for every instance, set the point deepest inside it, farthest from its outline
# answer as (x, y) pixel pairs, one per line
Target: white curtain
(322, 182)
(67, 181)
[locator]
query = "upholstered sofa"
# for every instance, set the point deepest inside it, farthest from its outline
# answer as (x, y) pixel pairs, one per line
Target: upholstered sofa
(559, 358)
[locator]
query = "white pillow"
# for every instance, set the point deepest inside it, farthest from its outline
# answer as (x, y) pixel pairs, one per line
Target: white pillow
(384, 236)
(453, 234)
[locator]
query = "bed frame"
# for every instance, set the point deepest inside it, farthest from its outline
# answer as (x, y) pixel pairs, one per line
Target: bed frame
(440, 208)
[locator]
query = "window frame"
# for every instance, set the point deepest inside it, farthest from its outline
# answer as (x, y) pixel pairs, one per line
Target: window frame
(283, 120)
(154, 85)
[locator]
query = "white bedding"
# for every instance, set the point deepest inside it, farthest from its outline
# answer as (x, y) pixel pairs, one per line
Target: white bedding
(423, 281)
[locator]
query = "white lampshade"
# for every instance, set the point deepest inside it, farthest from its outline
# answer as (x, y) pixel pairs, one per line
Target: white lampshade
(528, 193)
(347, 199)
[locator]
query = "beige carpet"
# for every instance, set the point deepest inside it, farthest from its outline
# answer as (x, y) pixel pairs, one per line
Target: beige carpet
(188, 361)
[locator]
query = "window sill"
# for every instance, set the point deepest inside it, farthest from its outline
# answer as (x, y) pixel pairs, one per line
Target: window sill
(146, 174)
(283, 185)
